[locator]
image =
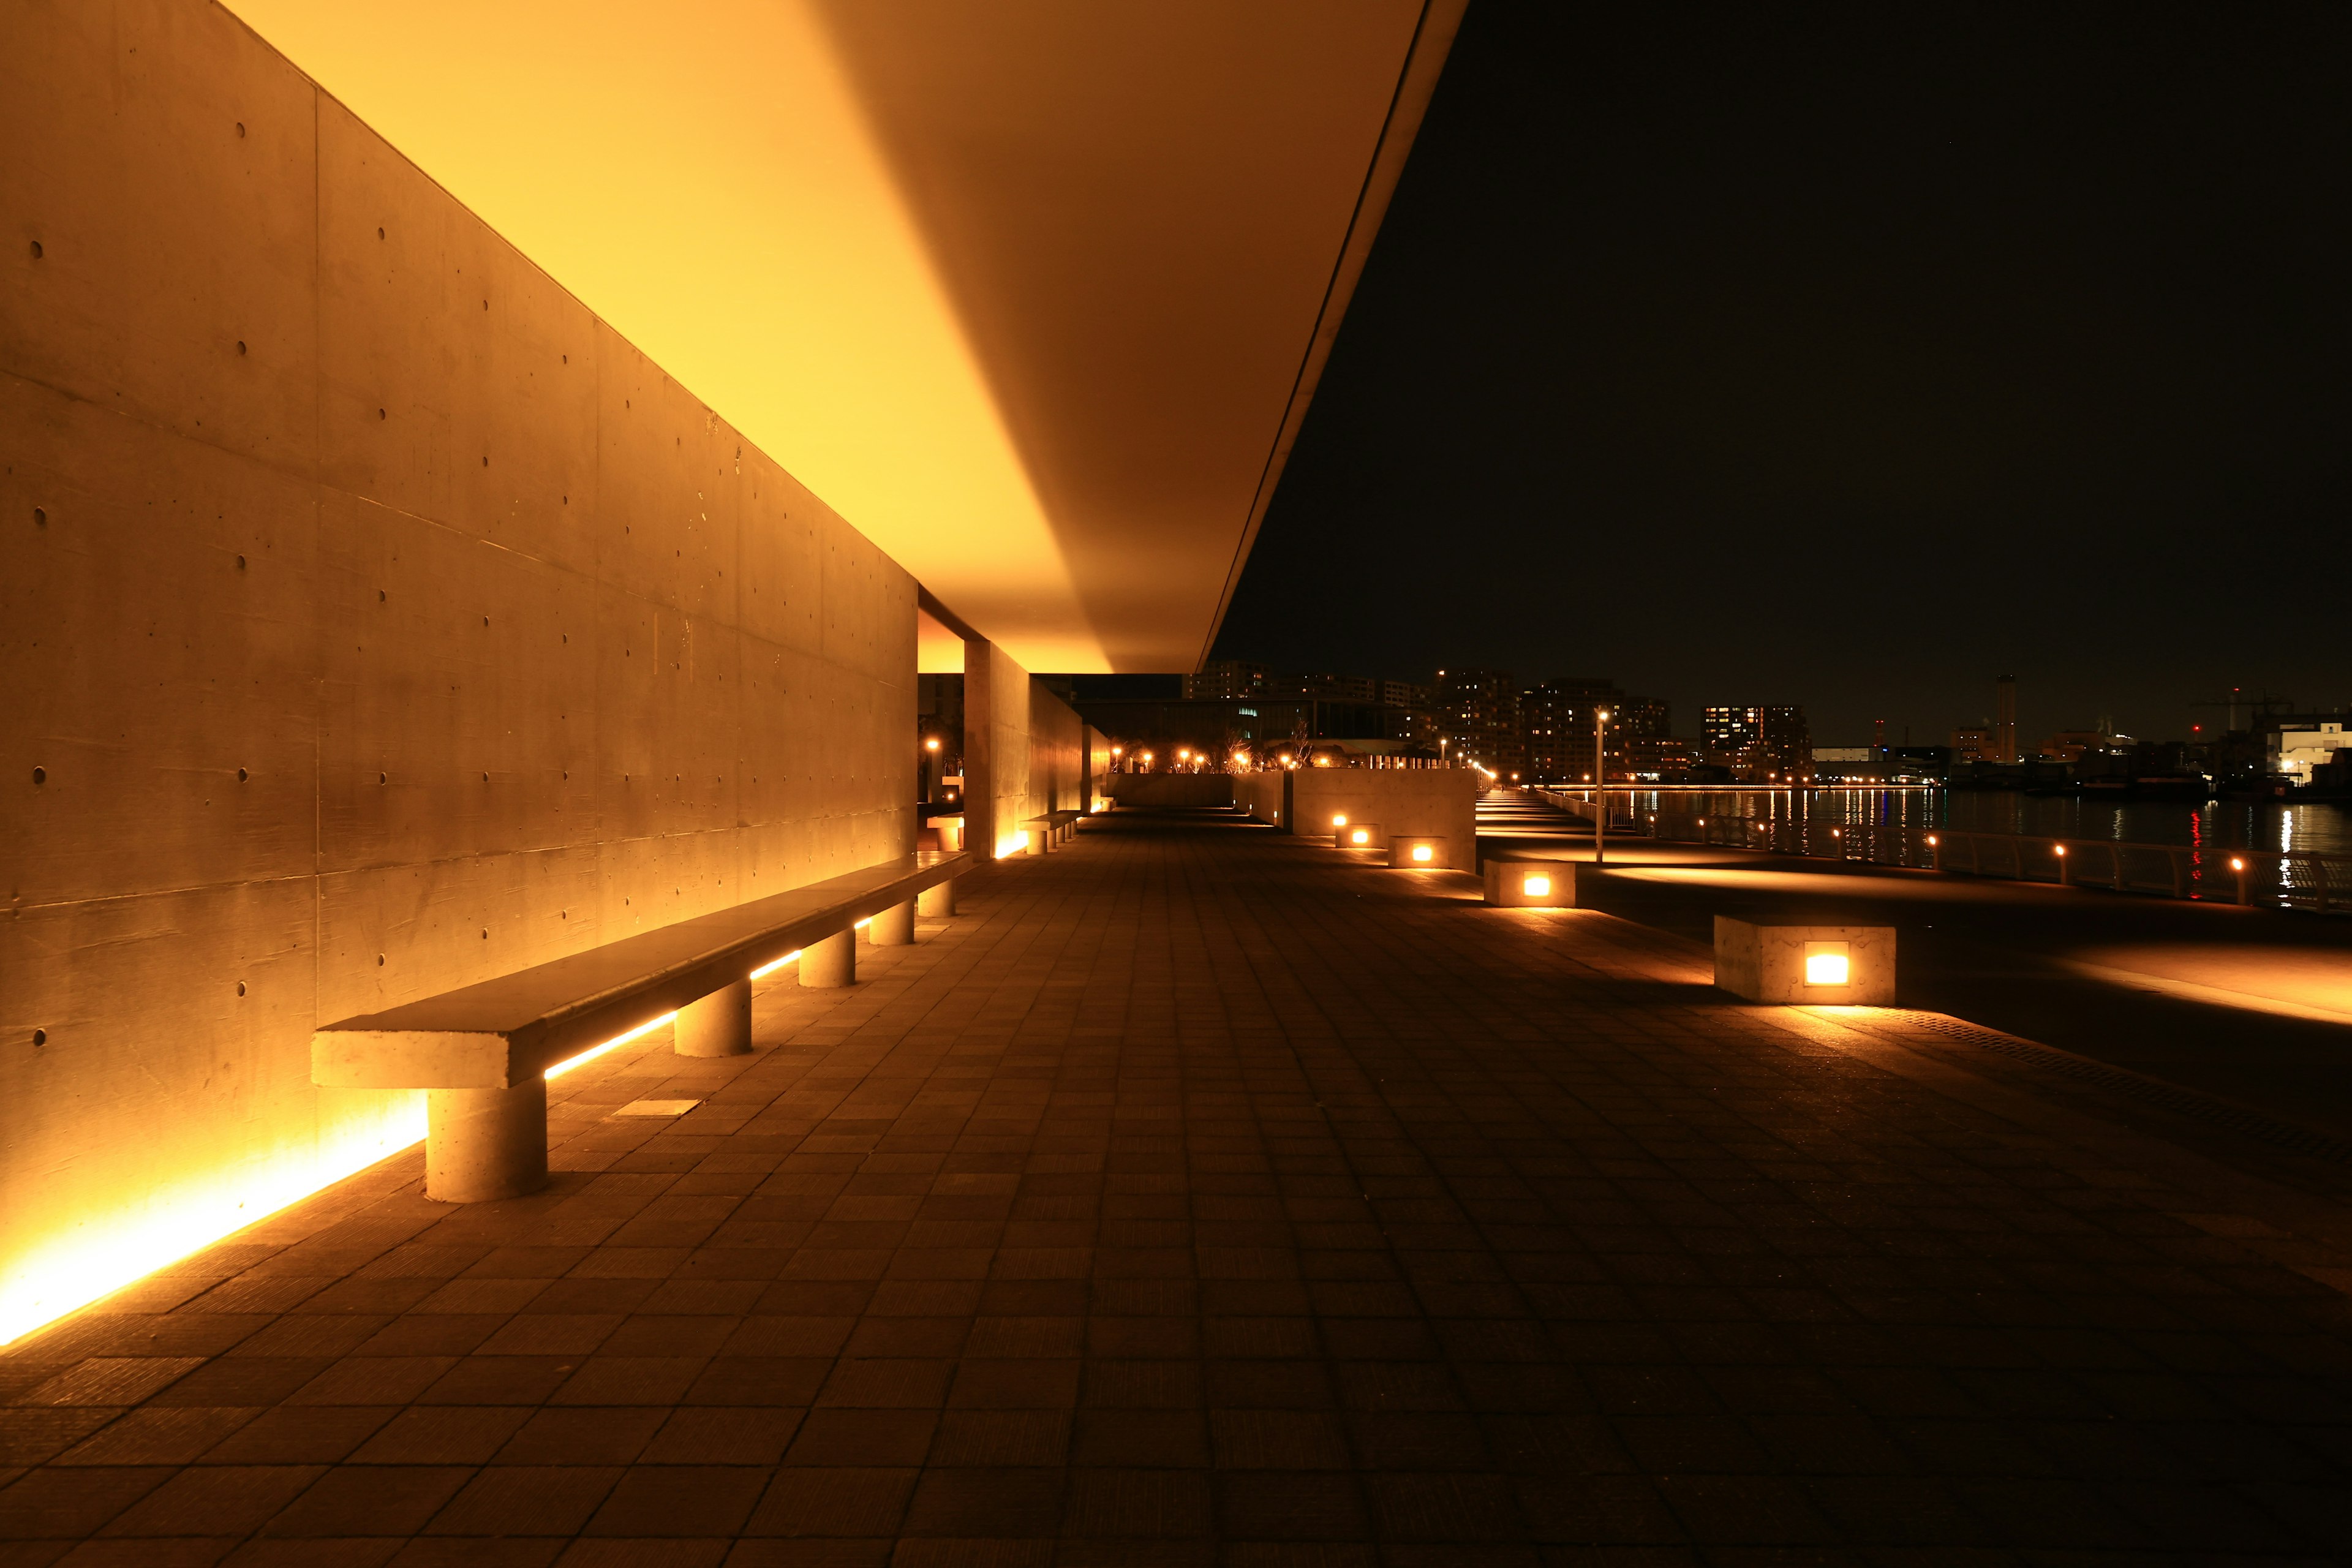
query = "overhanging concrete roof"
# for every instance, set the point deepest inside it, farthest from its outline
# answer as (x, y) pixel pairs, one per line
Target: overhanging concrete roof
(1034, 293)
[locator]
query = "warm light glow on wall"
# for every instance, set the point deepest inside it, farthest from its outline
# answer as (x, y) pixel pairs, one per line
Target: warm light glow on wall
(153, 1229)
(1359, 836)
(818, 325)
(767, 969)
(1826, 963)
(1017, 844)
(1421, 851)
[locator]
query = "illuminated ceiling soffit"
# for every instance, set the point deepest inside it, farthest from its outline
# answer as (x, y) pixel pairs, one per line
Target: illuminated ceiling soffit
(1031, 294)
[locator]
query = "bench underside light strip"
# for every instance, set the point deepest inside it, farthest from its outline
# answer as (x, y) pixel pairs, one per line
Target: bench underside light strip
(97, 1260)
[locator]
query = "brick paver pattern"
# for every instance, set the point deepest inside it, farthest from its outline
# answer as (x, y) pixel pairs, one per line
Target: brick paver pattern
(1200, 1194)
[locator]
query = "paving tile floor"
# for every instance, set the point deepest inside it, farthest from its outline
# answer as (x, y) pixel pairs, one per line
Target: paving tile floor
(1203, 1195)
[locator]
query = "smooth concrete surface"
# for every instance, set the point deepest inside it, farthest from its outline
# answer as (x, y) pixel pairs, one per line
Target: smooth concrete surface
(389, 624)
(718, 1026)
(483, 1144)
(1184, 790)
(1038, 297)
(1438, 801)
(1202, 1200)
(1025, 753)
(830, 962)
(936, 903)
(894, 927)
(1775, 964)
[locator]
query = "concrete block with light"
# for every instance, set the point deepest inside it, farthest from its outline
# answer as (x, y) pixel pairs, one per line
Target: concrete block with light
(1843, 965)
(1419, 851)
(1359, 836)
(1531, 884)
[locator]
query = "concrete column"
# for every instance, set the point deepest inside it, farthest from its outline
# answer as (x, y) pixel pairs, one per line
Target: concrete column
(894, 927)
(979, 748)
(937, 903)
(484, 1143)
(833, 961)
(718, 1026)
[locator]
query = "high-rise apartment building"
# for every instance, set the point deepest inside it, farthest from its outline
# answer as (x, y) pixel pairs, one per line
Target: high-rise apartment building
(1759, 740)
(1556, 727)
(1478, 718)
(1228, 680)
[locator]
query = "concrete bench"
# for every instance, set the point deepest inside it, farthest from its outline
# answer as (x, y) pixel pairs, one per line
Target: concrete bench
(1043, 833)
(1829, 965)
(482, 1052)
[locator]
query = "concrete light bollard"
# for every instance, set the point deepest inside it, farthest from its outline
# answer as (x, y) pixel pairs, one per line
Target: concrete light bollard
(1419, 852)
(1531, 884)
(832, 962)
(484, 1143)
(1038, 837)
(936, 903)
(894, 927)
(718, 1026)
(1359, 836)
(1805, 965)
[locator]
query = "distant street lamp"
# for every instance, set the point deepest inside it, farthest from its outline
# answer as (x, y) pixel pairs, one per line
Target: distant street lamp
(1600, 787)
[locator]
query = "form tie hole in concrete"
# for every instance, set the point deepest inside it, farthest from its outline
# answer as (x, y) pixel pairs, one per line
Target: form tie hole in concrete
(379, 414)
(486, 462)
(486, 620)
(240, 127)
(40, 775)
(37, 250)
(240, 345)
(240, 988)
(379, 960)
(485, 933)
(379, 596)
(486, 778)
(40, 1037)
(383, 778)
(242, 775)
(240, 563)
(40, 517)
(378, 233)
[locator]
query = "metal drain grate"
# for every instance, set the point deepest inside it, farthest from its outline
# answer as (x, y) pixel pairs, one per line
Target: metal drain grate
(2190, 1102)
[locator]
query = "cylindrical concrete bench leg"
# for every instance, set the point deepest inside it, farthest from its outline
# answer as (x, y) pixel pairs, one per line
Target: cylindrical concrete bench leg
(833, 961)
(939, 901)
(718, 1026)
(894, 927)
(484, 1143)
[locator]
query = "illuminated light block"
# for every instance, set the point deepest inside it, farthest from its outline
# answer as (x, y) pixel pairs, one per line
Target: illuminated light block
(1531, 884)
(1419, 851)
(1360, 836)
(1844, 965)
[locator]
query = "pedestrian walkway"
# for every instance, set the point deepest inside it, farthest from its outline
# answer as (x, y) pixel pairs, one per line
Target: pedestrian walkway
(1200, 1195)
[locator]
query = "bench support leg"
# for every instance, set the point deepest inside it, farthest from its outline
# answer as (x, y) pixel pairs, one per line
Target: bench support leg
(894, 927)
(833, 961)
(939, 901)
(718, 1026)
(484, 1143)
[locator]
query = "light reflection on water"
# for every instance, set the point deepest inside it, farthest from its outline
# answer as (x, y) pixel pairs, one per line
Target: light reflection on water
(2323, 828)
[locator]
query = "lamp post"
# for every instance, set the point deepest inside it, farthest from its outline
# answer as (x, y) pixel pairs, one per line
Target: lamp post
(1600, 787)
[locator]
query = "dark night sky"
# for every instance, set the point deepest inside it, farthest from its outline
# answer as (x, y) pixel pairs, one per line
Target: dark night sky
(1849, 356)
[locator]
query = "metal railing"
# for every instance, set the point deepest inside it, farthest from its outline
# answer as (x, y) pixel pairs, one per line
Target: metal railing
(2291, 878)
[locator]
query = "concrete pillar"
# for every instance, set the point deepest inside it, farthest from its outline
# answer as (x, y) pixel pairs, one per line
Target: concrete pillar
(979, 697)
(718, 1026)
(894, 927)
(833, 961)
(937, 903)
(484, 1143)
(1040, 838)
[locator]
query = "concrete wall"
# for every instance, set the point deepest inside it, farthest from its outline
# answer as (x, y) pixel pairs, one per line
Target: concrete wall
(1260, 794)
(379, 619)
(1171, 789)
(1442, 801)
(1057, 753)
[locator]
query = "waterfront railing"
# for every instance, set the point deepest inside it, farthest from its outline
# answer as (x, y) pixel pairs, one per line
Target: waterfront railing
(2296, 879)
